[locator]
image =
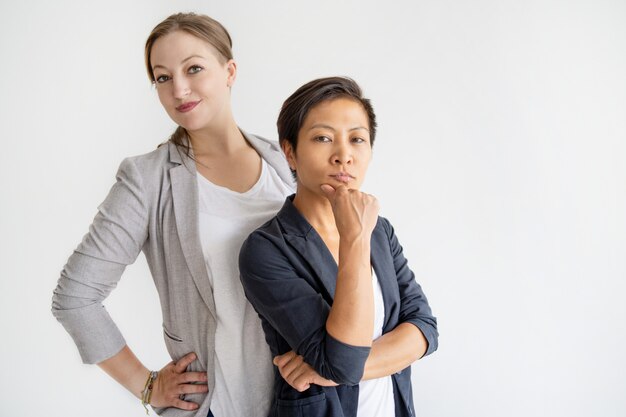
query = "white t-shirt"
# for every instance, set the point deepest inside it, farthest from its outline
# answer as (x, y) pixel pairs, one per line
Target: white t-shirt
(376, 395)
(243, 363)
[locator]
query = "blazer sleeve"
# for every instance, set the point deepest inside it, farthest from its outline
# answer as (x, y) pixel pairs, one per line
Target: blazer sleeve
(414, 306)
(114, 240)
(296, 310)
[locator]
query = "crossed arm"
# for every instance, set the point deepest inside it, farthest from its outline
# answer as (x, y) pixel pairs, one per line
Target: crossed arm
(415, 336)
(390, 353)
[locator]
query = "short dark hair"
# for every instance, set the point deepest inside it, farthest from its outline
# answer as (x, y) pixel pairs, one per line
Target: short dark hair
(298, 105)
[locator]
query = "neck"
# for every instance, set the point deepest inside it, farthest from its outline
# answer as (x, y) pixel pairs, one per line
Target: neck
(317, 210)
(218, 140)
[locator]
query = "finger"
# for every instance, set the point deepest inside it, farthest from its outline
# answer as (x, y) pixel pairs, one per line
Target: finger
(184, 405)
(280, 360)
(323, 382)
(328, 191)
(300, 378)
(287, 369)
(187, 377)
(343, 193)
(301, 385)
(192, 388)
(184, 362)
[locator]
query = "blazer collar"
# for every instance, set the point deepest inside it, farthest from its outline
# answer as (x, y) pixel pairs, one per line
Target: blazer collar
(270, 151)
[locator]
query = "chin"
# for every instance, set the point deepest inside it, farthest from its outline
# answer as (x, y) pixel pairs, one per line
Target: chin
(193, 127)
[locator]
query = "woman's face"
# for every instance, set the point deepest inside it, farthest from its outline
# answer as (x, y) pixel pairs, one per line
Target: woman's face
(193, 85)
(333, 146)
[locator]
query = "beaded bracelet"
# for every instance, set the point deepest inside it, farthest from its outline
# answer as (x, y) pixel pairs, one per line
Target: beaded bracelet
(146, 394)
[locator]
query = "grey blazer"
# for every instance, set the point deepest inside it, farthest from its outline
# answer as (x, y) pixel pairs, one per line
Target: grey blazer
(153, 208)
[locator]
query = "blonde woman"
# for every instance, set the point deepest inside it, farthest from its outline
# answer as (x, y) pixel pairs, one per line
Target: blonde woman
(188, 206)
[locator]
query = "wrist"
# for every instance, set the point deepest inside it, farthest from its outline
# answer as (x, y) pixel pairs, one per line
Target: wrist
(146, 393)
(139, 380)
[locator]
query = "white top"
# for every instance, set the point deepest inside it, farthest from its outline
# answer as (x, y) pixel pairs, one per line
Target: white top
(376, 395)
(243, 364)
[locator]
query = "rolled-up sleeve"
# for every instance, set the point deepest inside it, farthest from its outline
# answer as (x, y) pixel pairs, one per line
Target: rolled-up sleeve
(114, 241)
(296, 310)
(414, 304)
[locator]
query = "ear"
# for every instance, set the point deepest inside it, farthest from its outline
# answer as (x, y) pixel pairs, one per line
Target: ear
(290, 154)
(231, 67)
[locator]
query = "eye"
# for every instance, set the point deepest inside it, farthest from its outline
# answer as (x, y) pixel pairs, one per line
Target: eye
(324, 139)
(161, 79)
(194, 69)
(359, 140)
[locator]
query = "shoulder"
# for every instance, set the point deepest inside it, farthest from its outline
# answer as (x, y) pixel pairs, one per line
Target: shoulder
(383, 225)
(262, 140)
(385, 236)
(272, 153)
(149, 167)
(155, 159)
(264, 249)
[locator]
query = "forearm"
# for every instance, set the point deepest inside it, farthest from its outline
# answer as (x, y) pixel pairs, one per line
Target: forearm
(395, 351)
(126, 369)
(351, 317)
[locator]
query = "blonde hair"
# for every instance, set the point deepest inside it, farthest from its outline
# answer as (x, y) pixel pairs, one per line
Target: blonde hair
(202, 27)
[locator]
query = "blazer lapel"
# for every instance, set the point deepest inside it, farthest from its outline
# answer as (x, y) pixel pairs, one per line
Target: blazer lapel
(308, 243)
(273, 155)
(185, 197)
(385, 271)
(313, 249)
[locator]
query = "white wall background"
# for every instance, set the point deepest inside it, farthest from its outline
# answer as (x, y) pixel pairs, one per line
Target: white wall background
(500, 160)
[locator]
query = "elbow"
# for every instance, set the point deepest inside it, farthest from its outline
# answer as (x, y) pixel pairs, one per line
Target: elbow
(70, 296)
(57, 305)
(428, 328)
(433, 344)
(345, 375)
(339, 362)
(351, 378)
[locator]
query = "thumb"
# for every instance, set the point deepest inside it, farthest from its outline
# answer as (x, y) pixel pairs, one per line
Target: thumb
(328, 191)
(184, 362)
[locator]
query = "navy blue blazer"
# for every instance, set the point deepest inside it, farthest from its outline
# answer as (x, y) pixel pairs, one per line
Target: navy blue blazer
(289, 275)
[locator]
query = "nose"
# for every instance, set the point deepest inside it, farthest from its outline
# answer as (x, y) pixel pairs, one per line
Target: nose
(342, 154)
(181, 87)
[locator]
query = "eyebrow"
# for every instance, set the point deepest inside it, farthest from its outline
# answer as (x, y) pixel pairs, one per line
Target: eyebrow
(182, 62)
(321, 125)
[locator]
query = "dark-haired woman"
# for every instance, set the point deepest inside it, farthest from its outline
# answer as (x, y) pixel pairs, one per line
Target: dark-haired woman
(342, 312)
(188, 206)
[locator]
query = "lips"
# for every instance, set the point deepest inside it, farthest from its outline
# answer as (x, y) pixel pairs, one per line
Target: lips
(342, 177)
(184, 108)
